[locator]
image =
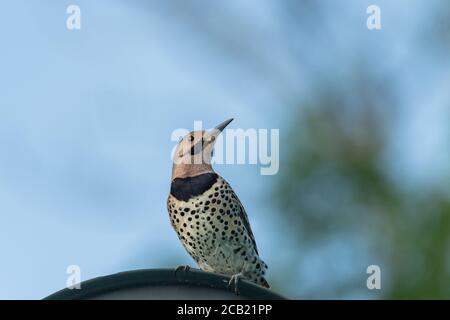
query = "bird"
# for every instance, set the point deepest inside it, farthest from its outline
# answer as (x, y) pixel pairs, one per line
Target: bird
(207, 215)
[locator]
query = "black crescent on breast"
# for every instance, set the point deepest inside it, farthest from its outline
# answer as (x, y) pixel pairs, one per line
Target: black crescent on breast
(186, 188)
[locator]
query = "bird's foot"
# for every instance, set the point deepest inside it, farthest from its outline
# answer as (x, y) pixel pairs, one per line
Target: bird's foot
(234, 282)
(183, 268)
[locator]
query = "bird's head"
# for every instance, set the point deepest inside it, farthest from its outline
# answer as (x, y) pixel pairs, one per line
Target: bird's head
(193, 154)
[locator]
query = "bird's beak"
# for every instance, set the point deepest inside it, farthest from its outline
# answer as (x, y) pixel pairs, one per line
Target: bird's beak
(211, 135)
(223, 125)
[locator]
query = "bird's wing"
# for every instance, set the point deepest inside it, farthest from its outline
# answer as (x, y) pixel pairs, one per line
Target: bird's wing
(243, 216)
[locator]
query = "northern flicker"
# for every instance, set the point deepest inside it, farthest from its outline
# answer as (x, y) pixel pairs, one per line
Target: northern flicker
(208, 217)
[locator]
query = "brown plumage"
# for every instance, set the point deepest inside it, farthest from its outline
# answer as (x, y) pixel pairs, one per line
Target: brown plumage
(207, 215)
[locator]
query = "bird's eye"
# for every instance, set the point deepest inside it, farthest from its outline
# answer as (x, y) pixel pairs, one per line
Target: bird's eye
(191, 138)
(212, 139)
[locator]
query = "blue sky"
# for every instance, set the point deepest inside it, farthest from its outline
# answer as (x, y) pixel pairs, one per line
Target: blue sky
(86, 118)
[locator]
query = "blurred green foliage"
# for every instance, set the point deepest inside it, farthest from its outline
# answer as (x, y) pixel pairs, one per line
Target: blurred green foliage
(334, 184)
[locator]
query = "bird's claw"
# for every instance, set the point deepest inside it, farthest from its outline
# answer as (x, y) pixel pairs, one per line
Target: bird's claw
(234, 282)
(183, 268)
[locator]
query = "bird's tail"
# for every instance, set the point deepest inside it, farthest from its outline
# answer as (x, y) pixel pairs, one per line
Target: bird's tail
(264, 283)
